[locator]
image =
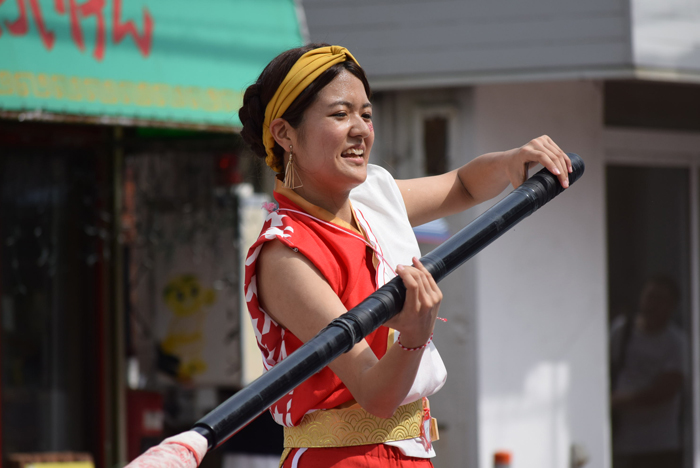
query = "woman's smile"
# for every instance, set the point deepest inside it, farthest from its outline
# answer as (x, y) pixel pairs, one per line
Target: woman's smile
(354, 153)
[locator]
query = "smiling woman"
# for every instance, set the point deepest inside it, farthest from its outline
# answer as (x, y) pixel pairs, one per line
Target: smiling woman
(342, 230)
(332, 144)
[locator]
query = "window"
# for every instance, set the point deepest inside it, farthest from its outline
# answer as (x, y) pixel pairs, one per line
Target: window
(435, 143)
(653, 229)
(433, 140)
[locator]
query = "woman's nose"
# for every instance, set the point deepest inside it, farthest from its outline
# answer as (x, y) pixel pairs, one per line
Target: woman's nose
(360, 127)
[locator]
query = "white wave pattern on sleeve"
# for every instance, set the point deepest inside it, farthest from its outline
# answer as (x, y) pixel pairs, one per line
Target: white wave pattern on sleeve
(268, 333)
(277, 416)
(254, 256)
(273, 232)
(252, 289)
(275, 218)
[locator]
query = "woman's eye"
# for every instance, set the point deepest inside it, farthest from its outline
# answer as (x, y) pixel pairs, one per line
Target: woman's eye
(367, 116)
(339, 114)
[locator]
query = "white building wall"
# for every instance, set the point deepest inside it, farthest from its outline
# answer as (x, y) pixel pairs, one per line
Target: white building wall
(541, 290)
(525, 342)
(666, 38)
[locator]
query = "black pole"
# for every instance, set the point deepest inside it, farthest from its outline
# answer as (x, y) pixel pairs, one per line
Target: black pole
(342, 333)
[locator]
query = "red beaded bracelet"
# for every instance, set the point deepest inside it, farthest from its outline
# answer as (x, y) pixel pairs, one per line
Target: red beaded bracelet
(398, 340)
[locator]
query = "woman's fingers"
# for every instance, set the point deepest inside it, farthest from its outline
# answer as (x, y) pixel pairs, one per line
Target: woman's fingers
(431, 286)
(558, 158)
(415, 290)
(564, 163)
(554, 148)
(544, 151)
(409, 281)
(424, 287)
(422, 293)
(553, 155)
(547, 160)
(423, 297)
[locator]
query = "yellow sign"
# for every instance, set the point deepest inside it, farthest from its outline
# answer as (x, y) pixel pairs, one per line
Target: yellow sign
(111, 92)
(70, 464)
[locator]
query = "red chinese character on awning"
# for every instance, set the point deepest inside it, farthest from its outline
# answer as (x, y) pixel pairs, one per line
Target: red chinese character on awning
(20, 26)
(120, 30)
(77, 13)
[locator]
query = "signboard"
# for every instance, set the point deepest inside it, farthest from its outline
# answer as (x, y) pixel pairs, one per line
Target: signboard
(74, 464)
(183, 263)
(170, 61)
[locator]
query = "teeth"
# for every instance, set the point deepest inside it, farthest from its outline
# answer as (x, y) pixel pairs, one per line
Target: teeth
(356, 151)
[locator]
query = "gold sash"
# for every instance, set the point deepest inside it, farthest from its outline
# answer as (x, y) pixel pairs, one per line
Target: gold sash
(354, 426)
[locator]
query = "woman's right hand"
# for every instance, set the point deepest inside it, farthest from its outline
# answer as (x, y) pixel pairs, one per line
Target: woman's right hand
(416, 320)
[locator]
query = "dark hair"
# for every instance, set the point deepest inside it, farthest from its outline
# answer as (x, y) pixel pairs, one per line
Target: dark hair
(259, 94)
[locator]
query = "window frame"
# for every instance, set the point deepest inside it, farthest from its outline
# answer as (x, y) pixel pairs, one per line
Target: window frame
(449, 111)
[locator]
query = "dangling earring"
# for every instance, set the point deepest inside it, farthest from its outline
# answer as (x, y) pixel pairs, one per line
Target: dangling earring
(290, 175)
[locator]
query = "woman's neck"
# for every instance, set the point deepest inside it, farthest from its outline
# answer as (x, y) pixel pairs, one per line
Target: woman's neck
(338, 204)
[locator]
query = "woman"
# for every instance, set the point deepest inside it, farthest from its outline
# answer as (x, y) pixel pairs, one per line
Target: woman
(342, 229)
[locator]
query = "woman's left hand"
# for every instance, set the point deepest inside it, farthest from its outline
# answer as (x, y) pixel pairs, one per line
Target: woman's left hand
(541, 150)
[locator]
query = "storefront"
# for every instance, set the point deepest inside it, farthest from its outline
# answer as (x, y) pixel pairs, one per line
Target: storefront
(123, 184)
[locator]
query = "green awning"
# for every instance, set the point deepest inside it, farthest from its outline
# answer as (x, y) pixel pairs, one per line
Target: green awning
(158, 62)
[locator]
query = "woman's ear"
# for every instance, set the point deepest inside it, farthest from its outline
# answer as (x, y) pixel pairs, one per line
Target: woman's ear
(282, 132)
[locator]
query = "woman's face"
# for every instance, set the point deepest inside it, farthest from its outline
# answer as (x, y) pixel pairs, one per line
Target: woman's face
(333, 142)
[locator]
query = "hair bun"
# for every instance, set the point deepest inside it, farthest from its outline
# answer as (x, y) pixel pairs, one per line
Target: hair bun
(252, 116)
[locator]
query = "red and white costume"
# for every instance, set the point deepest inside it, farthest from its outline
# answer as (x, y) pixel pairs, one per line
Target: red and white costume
(354, 264)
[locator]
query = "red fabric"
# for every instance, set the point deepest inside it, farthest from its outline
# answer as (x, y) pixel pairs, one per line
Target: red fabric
(362, 456)
(345, 261)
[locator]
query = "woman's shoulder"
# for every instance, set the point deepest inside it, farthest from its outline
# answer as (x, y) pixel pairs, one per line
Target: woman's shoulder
(290, 232)
(290, 229)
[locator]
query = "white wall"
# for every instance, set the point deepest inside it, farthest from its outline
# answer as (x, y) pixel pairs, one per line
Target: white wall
(541, 290)
(525, 342)
(666, 36)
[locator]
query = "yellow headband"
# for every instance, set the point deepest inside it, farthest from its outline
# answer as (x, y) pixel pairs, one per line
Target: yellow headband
(303, 73)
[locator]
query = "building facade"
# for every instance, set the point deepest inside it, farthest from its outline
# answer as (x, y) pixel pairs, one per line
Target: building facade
(123, 182)
(530, 318)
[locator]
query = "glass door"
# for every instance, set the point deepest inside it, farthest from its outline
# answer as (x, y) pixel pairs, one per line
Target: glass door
(649, 229)
(55, 233)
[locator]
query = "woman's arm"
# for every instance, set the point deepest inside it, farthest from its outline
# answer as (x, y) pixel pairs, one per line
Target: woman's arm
(295, 294)
(429, 198)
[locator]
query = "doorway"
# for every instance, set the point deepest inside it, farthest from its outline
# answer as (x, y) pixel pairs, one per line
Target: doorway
(652, 206)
